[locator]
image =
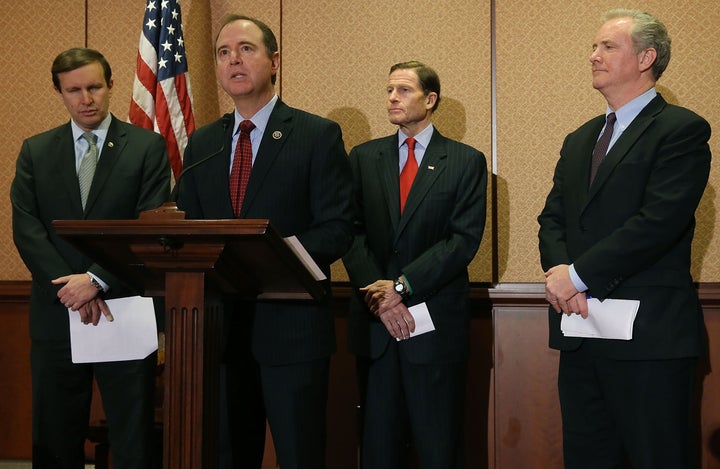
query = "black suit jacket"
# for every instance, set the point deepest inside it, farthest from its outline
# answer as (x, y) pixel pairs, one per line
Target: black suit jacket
(629, 235)
(301, 182)
(432, 242)
(132, 175)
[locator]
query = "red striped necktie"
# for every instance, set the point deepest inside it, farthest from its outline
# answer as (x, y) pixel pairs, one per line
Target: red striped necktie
(242, 165)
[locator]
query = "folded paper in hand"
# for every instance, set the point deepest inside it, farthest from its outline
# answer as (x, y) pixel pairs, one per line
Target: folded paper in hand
(423, 321)
(609, 319)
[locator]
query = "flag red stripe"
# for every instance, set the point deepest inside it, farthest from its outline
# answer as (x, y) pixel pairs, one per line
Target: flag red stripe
(185, 103)
(165, 128)
(162, 54)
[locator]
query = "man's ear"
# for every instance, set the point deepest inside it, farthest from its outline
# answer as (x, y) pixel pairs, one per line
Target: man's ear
(431, 99)
(275, 61)
(646, 59)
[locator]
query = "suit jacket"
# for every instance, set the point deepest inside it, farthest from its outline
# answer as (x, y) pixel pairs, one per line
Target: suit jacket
(432, 242)
(629, 234)
(300, 181)
(132, 175)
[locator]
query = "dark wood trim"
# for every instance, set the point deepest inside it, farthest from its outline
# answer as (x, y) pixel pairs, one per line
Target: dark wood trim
(500, 294)
(14, 291)
(531, 294)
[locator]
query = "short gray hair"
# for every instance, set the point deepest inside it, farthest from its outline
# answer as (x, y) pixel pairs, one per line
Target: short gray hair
(647, 32)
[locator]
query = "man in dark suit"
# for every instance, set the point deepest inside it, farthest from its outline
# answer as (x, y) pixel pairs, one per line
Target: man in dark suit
(414, 238)
(131, 175)
(626, 233)
(292, 169)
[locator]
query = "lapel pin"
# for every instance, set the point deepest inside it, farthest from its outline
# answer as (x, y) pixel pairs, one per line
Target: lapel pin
(111, 144)
(277, 135)
(431, 168)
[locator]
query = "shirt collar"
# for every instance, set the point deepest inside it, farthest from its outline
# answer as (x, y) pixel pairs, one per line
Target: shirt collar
(260, 119)
(629, 111)
(423, 137)
(101, 130)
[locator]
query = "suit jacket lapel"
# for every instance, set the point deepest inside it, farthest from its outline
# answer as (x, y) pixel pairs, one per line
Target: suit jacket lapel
(114, 143)
(388, 176)
(626, 141)
(580, 157)
(433, 164)
(65, 166)
(278, 130)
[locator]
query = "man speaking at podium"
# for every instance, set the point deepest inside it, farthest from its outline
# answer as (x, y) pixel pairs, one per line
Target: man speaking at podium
(286, 165)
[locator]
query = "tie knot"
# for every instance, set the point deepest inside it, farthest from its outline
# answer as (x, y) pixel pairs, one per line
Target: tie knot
(90, 137)
(410, 142)
(610, 119)
(246, 126)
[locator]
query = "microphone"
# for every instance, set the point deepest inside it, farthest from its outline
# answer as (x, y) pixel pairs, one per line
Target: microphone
(226, 121)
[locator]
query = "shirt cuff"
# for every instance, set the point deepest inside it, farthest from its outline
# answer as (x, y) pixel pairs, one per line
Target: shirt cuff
(104, 285)
(407, 284)
(576, 280)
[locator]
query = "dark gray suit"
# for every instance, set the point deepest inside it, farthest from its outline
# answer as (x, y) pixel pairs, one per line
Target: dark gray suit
(432, 243)
(301, 181)
(629, 236)
(132, 175)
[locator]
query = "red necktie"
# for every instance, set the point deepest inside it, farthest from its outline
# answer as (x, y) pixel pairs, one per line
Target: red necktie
(601, 147)
(241, 167)
(407, 175)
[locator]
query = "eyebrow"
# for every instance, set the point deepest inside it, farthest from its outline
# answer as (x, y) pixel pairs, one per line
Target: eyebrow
(241, 43)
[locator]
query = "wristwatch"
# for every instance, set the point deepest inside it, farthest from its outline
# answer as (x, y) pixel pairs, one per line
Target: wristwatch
(401, 288)
(96, 284)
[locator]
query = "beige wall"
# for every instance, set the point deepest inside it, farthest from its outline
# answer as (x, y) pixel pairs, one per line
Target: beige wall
(544, 92)
(335, 58)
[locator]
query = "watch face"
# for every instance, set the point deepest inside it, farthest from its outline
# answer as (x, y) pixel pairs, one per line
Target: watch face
(399, 287)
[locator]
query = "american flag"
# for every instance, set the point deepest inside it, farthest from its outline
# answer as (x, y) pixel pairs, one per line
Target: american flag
(162, 100)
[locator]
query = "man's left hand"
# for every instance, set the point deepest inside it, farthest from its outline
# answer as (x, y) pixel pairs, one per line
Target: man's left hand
(77, 290)
(380, 296)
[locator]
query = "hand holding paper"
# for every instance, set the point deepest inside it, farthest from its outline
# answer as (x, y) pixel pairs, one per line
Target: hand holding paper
(609, 319)
(423, 321)
(131, 336)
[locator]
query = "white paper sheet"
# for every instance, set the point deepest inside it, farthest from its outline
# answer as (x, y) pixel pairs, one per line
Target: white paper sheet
(306, 259)
(609, 319)
(423, 321)
(131, 336)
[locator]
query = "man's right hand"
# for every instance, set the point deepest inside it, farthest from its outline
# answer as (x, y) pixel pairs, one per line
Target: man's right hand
(90, 312)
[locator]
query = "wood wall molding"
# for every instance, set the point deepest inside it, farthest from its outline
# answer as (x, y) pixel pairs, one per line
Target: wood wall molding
(498, 295)
(14, 291)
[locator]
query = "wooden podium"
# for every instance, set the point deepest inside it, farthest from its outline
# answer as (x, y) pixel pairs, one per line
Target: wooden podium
(163, 254)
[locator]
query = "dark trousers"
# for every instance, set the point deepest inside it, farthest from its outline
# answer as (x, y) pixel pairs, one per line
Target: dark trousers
(296, 403)
(427, 398)
(61, 396)
(292, 397)
(618, 410)
(245, 410)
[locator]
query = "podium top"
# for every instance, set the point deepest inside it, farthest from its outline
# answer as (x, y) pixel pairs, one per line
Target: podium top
(244, 257)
